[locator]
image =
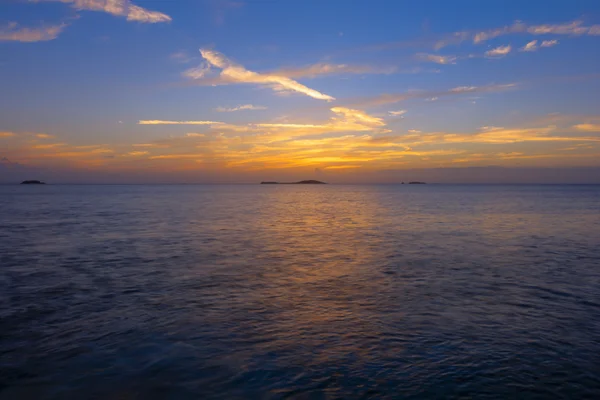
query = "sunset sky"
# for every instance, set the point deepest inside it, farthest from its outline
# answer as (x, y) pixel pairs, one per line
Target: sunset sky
(344, 91)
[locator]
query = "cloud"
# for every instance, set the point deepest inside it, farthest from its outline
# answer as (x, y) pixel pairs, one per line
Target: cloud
(499, 51)
(6, 134)
(350, 139)
(346, 120)
(397, 113)
(549, 43)
(198, 72)
(531, 46)
(438, 59)
(181, 57)
(587, 127)
(160, 122)
(498, 135)
(353, 141)
(235, 73)
(121, 8)
(569, 28)
(221, 8)
(290, 126)
(240, 108)
(44, 136)
(573, 28)
(463, 89)
(320, 69)
(48, 145)
(358, 116)
(12, 32)
(432, 95)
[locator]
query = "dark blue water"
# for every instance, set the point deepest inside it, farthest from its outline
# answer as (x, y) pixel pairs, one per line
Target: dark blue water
(250, 291)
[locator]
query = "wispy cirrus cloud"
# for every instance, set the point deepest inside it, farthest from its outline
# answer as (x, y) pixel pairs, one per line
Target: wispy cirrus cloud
(231, 72)
(240, 108)
(530, 46)
(499, 135)
(549, 43)
(120, 8)
(161, 122)
(533, 45)
(587, 127)
(12, 32)
(7, 134)
(345, 120)
(431, 95)
(498, 52)
(436, 58)
(398, 113)
(358, 116)
(573, 28)
(320, 69)
(351, 138)
(221, 8)
(181, 57)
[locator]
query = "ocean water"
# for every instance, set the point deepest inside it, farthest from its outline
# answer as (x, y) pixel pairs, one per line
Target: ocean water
(301, 292)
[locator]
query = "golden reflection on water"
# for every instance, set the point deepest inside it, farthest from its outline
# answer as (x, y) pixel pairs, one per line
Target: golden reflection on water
(328, 291)
(326, 254)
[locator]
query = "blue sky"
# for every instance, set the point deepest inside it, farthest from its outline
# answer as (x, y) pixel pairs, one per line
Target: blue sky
(223, 90)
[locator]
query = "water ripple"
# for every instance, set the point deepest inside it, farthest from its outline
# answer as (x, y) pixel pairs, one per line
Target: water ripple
(299, 292)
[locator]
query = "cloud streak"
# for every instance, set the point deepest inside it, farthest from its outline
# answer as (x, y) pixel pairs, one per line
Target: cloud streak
(350, 139)
(231, 72)
(573, 28)
(438, 59)
(12, 32)
(549, 43)
(533, 45)
(499, 51)
(161, 122)
(431, 95)
(312, 71)
(587, 127)
(120, 8)
(240, 108)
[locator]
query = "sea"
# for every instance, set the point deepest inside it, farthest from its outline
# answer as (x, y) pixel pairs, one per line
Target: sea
(299, 291)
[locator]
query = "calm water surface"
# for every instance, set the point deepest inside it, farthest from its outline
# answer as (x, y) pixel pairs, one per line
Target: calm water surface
(325, 292)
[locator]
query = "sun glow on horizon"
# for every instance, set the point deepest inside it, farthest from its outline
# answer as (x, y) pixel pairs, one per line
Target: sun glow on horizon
(337, 108)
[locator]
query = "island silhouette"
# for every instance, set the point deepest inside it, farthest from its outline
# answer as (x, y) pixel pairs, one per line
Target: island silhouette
(307, 182)
(33, 183)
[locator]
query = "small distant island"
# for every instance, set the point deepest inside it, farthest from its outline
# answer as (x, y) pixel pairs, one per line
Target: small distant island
(308, 182)
(416, 183)
(33, 183)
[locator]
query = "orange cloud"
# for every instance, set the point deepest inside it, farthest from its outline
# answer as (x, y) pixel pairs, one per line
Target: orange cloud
(121, 8)
(160, 122)
(587, 127)
(12, 32)
(574, 28)
(44, 136)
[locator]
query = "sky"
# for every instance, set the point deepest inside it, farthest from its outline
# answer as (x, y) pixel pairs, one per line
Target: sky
(240, 91)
